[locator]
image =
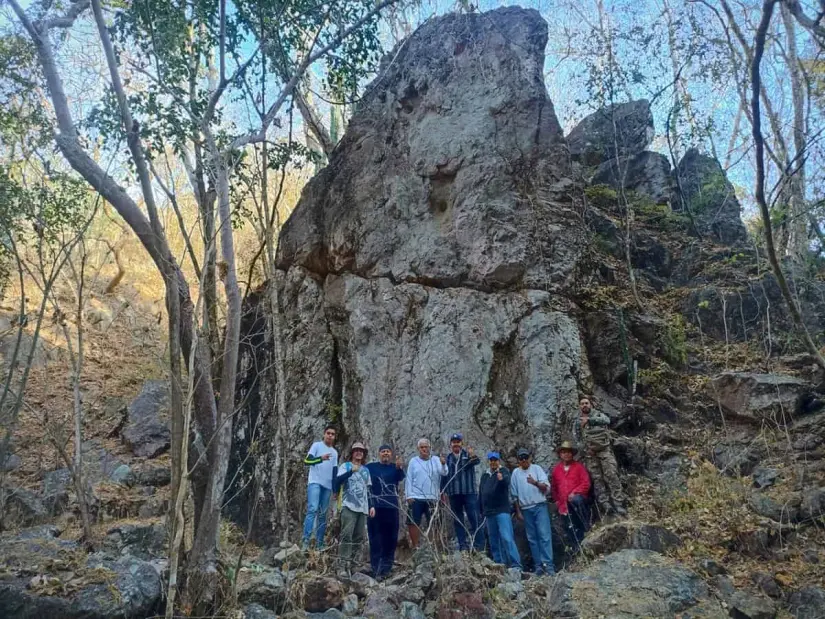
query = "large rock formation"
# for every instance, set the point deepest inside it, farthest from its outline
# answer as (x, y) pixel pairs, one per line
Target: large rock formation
(420, 273)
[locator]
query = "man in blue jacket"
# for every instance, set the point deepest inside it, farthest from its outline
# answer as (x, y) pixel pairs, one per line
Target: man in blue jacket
(383, 528)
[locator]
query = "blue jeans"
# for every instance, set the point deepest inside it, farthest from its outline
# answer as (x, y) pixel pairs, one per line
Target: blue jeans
(317, 508)
(459, 504)
(540, 537)
(502, 541)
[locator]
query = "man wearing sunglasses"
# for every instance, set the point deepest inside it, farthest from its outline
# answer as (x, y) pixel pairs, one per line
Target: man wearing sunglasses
(528, 487)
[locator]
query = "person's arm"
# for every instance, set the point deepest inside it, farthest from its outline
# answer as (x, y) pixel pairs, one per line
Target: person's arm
(541, 482)
(312, 458)
(481, 494)
(344, 473)
(400, 475)
(370, 497)
(554, 487)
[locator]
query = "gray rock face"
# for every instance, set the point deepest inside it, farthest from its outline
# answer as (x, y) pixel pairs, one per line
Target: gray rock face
(256, 611)
(142, 541)
(709, 195)
(447, 165)
(267, 588)
(632, 583)
(813, 504)
(647, 173)
(416, 291)
(759, 397)
(147, 428)
(621, 129)
(780, 512)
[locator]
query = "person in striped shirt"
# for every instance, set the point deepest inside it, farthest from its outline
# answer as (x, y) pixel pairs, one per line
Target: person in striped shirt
(460, 487)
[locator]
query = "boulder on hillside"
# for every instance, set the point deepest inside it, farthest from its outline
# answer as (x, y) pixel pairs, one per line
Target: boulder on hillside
(623, 535)
(267, 588)
(808, 603)
(143, 541)
(705, 191)
(146, 430)
(621, 129)
(813, 504)
(321, 593)
(632, 583)
(759, 397)
(646, 173)
(99, 587)
(23, 508)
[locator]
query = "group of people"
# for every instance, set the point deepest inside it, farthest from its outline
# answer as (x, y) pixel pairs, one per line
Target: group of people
(368, 495)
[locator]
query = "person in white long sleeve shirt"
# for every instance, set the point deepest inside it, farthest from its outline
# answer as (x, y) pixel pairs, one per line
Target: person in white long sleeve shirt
(422, 487)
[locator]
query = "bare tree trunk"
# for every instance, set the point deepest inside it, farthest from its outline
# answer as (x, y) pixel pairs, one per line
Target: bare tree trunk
(759, 143)
(797, 220)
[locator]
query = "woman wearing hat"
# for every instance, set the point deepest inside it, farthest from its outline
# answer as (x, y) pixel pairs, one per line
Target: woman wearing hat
(569, 485)
(354, 482)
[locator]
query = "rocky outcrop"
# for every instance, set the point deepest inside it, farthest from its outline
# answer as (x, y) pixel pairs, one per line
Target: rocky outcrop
(633, 583)
(705, 191)
(419, 273)
(646, 173)
(449, 171)
(146, 431)
(624, 535)
(616, 131)
(759, 397)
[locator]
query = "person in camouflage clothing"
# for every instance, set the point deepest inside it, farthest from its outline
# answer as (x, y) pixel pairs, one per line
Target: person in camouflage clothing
(591, 433)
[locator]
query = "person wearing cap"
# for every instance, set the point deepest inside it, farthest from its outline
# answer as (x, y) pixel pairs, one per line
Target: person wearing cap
(322, 460)
(529, 486)
(422, 488)
(569, 485)
(354, 483)
(460, 487)
(591, 431)
(494, 500)
(383, 528)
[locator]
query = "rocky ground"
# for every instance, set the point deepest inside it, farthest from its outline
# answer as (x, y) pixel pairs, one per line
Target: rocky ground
(455, 292)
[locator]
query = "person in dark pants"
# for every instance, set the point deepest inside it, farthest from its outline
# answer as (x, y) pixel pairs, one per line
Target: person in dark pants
(383, 529)
(494, 496)
(569, 485)
(460, 486)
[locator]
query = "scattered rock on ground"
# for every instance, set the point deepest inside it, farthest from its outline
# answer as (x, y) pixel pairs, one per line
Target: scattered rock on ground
(764, 477)
(146, 431)
(321, 593)
(142, 541)
(813, 504)
(769, 508)
(256, 611)
(11, 463)
(267, 588)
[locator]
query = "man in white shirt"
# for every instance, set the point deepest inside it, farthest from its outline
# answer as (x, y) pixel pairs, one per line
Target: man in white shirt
(529, 486)
(422, 488)
(322, 460)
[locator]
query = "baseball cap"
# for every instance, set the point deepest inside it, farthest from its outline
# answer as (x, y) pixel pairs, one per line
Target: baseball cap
(457, 437)
(493, 455)
(523, 452)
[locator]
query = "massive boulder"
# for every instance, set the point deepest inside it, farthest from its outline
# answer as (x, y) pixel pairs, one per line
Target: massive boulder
(146, 431)
(419, 275)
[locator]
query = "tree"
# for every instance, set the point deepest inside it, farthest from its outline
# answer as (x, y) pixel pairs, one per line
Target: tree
(174, 69)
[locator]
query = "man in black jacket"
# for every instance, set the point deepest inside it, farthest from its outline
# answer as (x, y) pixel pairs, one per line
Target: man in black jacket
(494, 495)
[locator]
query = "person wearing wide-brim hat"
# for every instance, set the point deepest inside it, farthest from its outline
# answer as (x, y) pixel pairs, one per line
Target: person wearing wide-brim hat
(354, 481)
(569, 486)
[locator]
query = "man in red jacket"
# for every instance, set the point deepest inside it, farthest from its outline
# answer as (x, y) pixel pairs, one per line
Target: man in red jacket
(569, 485)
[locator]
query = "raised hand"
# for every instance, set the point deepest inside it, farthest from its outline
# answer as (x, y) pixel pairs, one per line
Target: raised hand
(471, 452)
(399, 462)
(499, 476)
(355, 467)
(530, 480)
(443, 459)
(326, 456)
